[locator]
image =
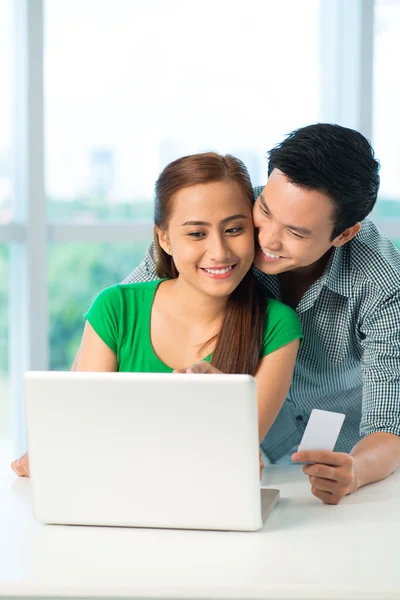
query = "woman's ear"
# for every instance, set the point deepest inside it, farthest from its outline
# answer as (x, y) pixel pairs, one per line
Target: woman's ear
(163, 240)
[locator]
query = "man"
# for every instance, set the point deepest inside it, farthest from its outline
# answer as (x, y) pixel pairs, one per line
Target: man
(319, 254)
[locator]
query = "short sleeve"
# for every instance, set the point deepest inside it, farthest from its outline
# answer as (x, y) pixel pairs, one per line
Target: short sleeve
(104, 316)
(282, 326)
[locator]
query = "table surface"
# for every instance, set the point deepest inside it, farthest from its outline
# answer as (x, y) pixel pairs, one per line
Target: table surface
(306, 550)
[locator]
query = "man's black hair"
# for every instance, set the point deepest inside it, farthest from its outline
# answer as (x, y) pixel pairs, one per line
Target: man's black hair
(336, 161)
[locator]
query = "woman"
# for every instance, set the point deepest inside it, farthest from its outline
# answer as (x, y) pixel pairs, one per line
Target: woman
(204, 314)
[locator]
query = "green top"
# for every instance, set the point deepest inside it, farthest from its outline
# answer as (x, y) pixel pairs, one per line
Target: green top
(121, 316)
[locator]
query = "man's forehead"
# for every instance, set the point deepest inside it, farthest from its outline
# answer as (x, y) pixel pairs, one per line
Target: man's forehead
(286, 201)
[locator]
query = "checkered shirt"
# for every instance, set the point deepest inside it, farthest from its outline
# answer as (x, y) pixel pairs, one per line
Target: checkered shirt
(349, 360)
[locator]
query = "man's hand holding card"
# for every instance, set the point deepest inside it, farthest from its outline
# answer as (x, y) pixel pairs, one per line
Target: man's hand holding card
(332, 474)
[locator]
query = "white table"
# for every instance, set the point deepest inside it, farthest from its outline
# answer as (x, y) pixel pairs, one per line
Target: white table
(306, 550)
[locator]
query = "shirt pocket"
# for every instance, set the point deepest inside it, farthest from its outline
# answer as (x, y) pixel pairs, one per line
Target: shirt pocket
(329, 330)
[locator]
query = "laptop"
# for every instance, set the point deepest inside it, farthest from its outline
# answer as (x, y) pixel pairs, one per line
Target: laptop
(145, 450)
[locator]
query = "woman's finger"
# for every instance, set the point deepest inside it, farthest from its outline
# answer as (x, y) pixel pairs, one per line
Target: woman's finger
(20, 466)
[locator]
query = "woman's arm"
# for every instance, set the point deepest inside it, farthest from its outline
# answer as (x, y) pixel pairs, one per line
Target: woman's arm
(274, 376)
(94, 354)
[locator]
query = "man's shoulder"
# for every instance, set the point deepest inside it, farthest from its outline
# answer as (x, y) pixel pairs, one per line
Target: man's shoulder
(138, 287)
(146, 271)
(374, 260)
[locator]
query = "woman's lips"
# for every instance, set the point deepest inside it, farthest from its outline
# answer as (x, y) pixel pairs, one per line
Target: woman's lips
(219, 272)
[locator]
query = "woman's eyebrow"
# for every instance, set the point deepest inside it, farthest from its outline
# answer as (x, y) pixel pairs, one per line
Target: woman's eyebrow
(204, 223)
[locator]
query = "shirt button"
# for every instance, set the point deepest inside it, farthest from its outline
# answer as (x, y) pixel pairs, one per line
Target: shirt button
(299, 418)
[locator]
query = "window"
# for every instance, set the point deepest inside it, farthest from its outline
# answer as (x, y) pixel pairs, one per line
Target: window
(386, 125)
(76, 273)
(5, 109)
(128, 86)
(150, 87)
(6, 96)
(147, 89)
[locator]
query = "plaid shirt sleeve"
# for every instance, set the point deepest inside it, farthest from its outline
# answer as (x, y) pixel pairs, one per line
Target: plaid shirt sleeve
(146, 271)
(381, 367)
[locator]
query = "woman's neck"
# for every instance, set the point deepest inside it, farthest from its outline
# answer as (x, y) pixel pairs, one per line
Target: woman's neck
(193, 305)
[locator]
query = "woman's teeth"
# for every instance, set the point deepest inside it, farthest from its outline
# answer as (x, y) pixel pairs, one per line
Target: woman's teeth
(219, 271)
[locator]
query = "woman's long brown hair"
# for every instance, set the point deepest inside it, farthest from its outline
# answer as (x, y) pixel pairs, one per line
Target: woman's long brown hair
(240, 338)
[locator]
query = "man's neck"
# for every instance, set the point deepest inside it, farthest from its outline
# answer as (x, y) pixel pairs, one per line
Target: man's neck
(309, 274)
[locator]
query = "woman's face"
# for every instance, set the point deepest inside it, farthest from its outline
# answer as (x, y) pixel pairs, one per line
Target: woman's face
(210, 236)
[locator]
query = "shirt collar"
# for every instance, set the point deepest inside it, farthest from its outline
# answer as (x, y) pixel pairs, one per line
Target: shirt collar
(335, 277)
(338, 278)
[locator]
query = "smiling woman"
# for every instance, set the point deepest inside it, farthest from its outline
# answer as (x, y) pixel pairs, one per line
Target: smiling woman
(205, 246)
(204, 233)
(206, 307)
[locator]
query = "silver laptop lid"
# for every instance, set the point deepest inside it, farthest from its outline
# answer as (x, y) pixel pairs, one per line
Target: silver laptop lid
(150, 450)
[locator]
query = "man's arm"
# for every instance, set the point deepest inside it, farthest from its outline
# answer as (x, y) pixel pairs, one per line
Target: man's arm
(377, 455)
(146, 271)
(334, 475)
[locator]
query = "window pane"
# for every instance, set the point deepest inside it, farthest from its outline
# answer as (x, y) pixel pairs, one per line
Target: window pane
(5, 419)
(150, 87)
(386, 131)
(77, 273)
(5, 108)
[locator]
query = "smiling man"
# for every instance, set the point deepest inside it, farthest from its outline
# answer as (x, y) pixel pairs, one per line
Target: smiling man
(319, 254)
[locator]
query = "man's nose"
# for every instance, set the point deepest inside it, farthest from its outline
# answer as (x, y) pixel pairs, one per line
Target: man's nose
(269, 237)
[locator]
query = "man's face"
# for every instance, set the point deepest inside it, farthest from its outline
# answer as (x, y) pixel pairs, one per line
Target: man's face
(294, 226)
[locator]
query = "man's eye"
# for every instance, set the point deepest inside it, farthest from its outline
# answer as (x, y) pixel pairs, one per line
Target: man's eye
(264, 210)
(300, 237)
(196, 235)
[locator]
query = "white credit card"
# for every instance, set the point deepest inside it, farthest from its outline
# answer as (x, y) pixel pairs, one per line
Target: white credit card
(322, 430)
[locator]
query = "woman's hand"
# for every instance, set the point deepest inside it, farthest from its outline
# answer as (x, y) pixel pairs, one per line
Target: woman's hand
(21, 466)
(200, 367)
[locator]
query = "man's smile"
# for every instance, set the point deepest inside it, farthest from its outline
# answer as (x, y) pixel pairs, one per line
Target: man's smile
(269, 256)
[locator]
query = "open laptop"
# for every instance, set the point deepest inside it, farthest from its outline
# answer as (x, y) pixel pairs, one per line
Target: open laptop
(145, 450)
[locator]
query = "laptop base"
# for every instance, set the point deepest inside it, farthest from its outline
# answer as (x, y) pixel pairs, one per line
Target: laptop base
(269, 499)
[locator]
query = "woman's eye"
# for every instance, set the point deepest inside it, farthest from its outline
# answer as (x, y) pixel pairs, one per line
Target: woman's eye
(196, 235)
(234, 230)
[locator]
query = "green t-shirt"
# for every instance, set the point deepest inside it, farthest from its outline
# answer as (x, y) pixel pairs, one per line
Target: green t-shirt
(121, 316)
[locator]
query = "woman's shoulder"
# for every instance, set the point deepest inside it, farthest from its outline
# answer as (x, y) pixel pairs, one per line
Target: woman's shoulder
(278, 310)
(142, 287)
(121, 292)
(282, 326)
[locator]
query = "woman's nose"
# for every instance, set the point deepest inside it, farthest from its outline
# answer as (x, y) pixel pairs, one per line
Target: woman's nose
(220, 250)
